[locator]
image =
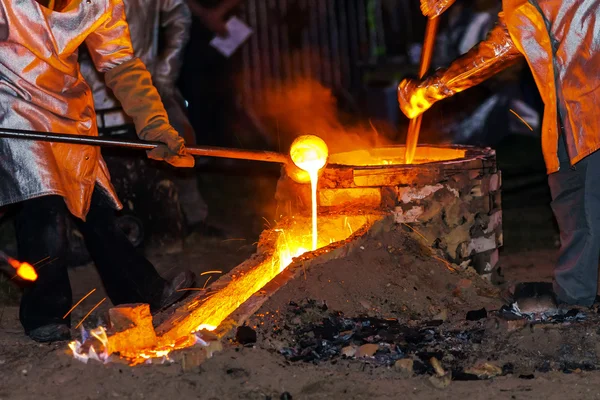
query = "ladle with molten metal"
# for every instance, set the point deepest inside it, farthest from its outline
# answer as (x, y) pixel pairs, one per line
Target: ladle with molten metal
(310, 154)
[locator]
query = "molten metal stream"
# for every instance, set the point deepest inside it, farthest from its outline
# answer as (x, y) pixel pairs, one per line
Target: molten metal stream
(414, 127)
(310, 153)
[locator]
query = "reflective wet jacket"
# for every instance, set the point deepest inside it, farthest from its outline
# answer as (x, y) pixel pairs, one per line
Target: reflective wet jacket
(160, 30)
(41, 88)
(564, 57)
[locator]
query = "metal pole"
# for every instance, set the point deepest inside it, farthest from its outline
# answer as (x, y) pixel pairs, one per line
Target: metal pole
(205, 151)
(414, 127)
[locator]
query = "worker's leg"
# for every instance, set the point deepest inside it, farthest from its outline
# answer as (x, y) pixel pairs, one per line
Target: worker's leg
(41, 232)
(576, 205)
(127, 275)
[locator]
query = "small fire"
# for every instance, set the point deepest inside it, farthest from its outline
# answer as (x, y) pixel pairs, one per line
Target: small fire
(310, 153)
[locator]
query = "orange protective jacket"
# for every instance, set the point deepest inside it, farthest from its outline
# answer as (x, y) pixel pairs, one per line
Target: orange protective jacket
(565, 70)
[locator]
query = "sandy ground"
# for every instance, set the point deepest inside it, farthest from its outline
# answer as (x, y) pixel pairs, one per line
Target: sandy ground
(404, 283)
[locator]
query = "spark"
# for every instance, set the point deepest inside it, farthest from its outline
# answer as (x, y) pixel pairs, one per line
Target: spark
(448, 265)
(211, 272)
(206, 283)
(79, 302)
(42, 260)
(88, 314)
(522, 120)
(268, 223)
(415, 231)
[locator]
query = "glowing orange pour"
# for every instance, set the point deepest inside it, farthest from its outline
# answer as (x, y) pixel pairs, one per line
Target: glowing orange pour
(310, 153)
(414, 126)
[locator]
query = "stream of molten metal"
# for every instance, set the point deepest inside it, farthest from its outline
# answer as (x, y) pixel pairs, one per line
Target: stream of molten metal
(310, 153)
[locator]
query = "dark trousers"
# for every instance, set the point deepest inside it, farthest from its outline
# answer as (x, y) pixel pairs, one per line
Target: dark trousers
(40, 223)
(576, 205)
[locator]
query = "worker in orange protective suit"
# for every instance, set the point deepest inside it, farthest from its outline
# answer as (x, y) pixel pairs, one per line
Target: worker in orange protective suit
(561, 43)
(42, 89)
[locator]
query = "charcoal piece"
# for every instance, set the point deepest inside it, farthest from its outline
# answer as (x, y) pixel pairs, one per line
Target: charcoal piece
(529, 376)
(285, 396)
(245, 335)
(413, 336)
(326, 331)
(420, 368)
(508, 369)
(459, 375)
(545, 367)
(476, 315)
(433, 323)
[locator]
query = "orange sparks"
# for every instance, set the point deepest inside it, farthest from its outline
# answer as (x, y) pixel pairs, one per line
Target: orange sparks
(79, 302)
(91, 311)
(446, 263)
(206, 283)
(211, 272)
(522, 120)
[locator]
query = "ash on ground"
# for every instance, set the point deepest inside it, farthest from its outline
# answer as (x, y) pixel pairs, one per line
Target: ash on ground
(392, 304)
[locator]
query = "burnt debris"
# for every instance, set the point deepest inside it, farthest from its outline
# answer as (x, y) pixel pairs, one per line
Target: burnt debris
(309, 332)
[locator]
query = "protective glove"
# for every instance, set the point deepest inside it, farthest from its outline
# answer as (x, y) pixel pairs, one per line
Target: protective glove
(417, 96)
(132, 85)
(483, 61)
(435, 8)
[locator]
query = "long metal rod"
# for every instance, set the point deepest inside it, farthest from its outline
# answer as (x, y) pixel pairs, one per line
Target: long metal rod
(205, 151)
(414, 126)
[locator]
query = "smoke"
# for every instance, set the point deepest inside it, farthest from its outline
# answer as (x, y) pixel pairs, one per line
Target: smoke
(307, 107)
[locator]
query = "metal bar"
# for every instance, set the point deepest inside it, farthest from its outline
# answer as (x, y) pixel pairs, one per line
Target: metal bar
(414, 126)
(205, 151)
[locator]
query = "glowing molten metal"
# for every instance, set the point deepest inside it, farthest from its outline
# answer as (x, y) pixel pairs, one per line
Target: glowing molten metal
(278, 248)
(24, 270)
(310, 153)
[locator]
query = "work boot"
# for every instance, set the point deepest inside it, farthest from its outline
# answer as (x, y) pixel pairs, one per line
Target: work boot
(173, 292)
(535, 299)
(50, 333)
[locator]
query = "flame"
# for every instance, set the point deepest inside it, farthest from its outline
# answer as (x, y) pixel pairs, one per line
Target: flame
(24, 270)
(310, 154)
(395, 155)
(208, 313)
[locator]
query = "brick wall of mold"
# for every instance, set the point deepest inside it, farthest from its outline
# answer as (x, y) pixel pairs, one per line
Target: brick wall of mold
(455, 206)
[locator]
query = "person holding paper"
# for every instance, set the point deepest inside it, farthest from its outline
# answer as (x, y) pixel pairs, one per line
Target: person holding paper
(206, 80)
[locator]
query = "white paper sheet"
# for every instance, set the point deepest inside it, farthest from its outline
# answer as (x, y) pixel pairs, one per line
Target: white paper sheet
(239, 32)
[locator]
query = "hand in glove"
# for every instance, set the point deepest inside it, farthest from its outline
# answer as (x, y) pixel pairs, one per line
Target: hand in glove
(416, 97)
(173, 150)
(435, 8)
(132, 85)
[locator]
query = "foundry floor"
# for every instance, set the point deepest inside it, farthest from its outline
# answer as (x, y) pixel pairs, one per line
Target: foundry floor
(30, 370)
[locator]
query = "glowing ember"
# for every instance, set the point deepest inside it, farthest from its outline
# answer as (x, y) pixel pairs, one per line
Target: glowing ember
(24, 270)
(310, 154)
(188, 325)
